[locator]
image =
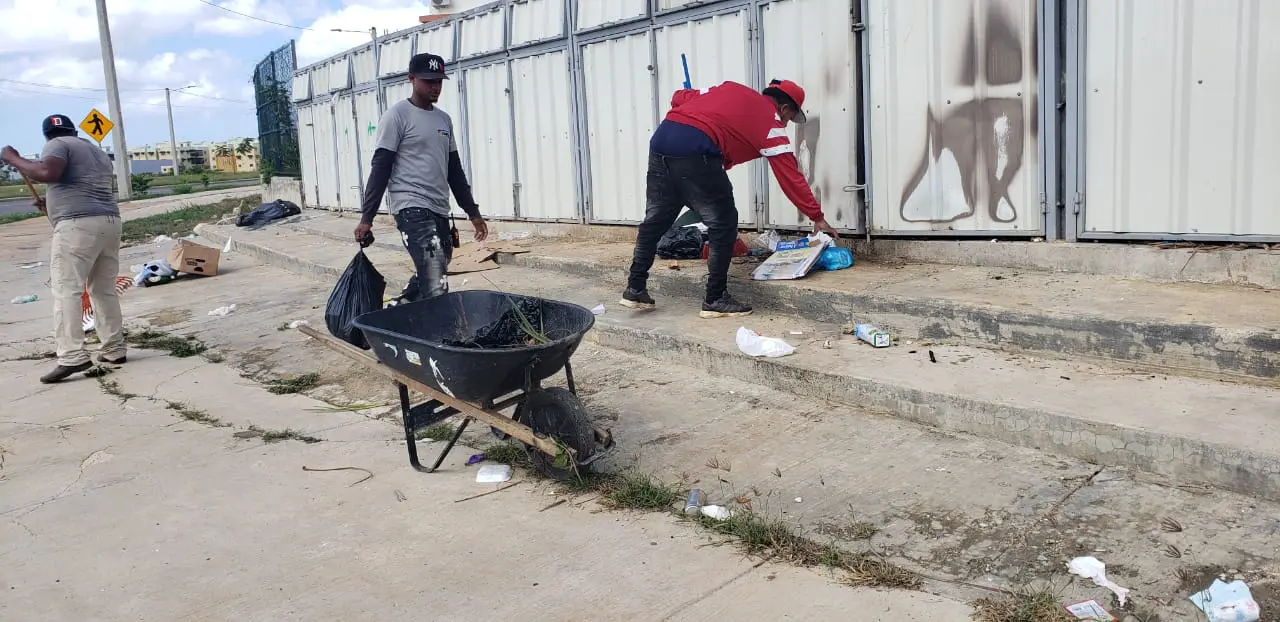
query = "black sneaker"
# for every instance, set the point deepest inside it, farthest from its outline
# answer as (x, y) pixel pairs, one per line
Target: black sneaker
(633, 299)
(725, 307)
(116, 361)
(62, 372)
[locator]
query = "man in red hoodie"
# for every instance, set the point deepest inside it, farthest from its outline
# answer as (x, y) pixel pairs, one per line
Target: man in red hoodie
(706, 133)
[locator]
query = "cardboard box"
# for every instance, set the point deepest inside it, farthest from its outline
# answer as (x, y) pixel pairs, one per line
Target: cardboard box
(192, 258)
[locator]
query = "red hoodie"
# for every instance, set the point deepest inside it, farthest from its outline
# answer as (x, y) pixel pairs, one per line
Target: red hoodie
(745, 125)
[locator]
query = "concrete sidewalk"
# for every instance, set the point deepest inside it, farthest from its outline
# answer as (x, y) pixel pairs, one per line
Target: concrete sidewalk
(150, 496)
(1185, 429)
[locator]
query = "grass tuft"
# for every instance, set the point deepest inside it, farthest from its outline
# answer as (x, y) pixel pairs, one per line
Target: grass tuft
(193, 414)
(1025, 605)
(634, 491)
(297, 384)
(507, 453)
(112, 388)
(8, 218)
(440, 432)
(180, 222)
(276, 436)
(37, 356)
(177, 347)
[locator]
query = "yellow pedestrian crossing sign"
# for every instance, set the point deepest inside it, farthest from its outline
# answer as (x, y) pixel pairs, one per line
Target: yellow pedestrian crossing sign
(97, 125)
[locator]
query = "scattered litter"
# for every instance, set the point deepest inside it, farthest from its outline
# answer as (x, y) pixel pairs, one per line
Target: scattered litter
(680, 243)
(1228, 602)
(31, 266)
(700, 226)
(507, 236)
(296, 323)
(475, 459)
(493, 474)
(1091, 568)
(226, 248)
(162, 238)
(223, 311)
(22, 300)
(192, 258)
(597, 310)
(491, 492)
(872, 335)
(693, 503)
(752, 344)
(793, 260)
(770, 240)
(154, 273)
(368, 474)
(717, 512)
(799, 500)
(835, 258)
(400, 496)
(932, 357)
(1090, 610)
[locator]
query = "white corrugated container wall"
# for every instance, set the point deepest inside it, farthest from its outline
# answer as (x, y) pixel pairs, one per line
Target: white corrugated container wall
(438, 41)
(716, 49)
(481, 33)
(319, 80)
(544, 142)
(307, 154)
(826, 146)
(620, 119)
(1180, 132)
(349, 166)
(953, 98)
(489, 139)
(326, 156)
(595, 13)
(393, 55)
(671, 5)
(301, 90)
(536, 20)
(340, 74)
(367, 120)
(362, 64)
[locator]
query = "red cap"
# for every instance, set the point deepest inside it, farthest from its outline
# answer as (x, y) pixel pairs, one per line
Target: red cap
(792, 90)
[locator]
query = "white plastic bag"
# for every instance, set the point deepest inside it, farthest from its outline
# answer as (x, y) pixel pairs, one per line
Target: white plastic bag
(752, 344)
(1091, 568)
(493, 474)
(1228, 602)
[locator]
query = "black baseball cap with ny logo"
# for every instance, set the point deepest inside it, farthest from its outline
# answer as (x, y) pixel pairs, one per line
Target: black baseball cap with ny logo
(427, 67)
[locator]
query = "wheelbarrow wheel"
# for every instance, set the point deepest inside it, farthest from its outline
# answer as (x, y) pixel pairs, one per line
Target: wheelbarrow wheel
(558, 414)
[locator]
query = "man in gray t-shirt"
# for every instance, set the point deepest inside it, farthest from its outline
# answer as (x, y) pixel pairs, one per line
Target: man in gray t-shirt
(85, 250)
(416, 164)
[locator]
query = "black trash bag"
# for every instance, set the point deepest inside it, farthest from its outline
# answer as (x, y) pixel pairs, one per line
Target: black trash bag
(518, 327)
(266, 213)
(680, 243)
(359, 291)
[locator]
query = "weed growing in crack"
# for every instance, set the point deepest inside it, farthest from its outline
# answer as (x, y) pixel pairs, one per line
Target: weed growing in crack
(441, 432)
(112, 388)
(97, 371)
(177, 347)
(275, 436)
(297, 384)
(1025, 605)
(191, 413)
(36, 356)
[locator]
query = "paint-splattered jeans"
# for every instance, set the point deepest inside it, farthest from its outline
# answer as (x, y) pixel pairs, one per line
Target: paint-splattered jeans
(702, 184)
(426, 236)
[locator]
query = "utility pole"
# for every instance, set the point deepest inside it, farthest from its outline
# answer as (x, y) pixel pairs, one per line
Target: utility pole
(113, 104)
(173, 141)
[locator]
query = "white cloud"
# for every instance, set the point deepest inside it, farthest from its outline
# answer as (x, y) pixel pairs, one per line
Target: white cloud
(320, 42)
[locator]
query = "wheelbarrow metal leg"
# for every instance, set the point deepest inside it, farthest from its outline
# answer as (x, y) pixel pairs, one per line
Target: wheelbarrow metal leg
(410, 437)
(568, 376)
(448, 448)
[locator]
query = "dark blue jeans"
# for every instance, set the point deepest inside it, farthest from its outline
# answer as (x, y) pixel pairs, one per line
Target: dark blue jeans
(702, 184)
(426, 236)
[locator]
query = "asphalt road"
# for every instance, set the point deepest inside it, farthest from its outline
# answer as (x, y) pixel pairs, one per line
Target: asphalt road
(23, 204)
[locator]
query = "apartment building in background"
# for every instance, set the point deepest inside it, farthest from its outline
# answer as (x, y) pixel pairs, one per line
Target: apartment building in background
(226, 156)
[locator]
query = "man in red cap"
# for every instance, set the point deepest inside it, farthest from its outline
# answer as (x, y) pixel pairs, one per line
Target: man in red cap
(706, 133)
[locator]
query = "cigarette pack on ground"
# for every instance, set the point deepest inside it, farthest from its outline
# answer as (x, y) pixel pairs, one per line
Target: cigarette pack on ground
(192, 258)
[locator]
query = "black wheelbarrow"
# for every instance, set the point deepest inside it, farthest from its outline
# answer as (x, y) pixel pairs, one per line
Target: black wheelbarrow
(477, 353)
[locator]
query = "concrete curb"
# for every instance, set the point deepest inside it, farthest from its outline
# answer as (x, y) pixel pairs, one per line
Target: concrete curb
(1184, 349)
(1176, 457)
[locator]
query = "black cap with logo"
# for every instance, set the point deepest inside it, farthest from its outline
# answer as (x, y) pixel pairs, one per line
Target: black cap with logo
(57, 122)
(427, 67)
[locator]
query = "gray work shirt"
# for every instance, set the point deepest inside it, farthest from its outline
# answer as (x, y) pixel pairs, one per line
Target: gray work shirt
(85, 186)
(422, 141)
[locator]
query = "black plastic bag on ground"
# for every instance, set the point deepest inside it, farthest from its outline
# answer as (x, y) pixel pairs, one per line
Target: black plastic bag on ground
(268, 212)
(359, 291)
(680, 243)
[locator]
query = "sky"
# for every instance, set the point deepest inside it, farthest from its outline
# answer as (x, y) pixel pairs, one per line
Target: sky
(51, 62)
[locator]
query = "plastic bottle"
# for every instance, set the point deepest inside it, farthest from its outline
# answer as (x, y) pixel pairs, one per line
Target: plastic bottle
(21, 300)
(693, 504)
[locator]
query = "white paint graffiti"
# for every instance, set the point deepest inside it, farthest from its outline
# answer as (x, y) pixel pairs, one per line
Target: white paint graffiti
(435, 371)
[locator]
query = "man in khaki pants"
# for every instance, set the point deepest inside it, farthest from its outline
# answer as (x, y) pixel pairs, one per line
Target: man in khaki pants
(86, 242)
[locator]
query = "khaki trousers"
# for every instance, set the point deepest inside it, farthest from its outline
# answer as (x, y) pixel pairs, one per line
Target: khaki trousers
(86, 251)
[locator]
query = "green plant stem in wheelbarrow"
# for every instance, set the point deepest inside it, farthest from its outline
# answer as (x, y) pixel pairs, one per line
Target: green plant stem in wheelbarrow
(514, 329)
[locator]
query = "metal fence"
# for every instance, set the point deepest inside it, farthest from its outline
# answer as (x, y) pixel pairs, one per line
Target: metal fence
(277, 118)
